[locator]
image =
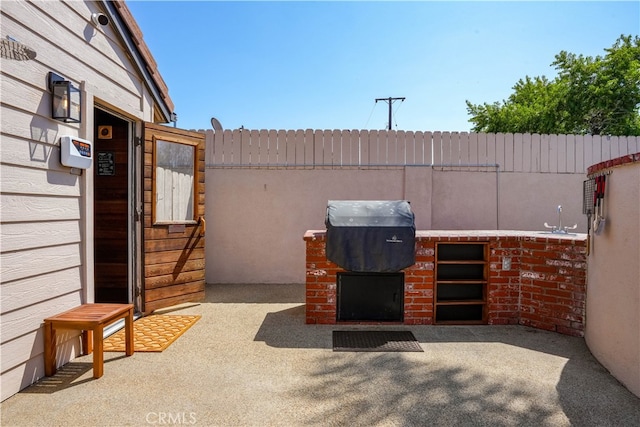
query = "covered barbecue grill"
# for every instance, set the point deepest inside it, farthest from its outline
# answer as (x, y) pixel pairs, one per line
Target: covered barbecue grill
(370, 236)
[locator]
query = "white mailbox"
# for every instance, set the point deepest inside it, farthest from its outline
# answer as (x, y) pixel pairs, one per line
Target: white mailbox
(76, 152)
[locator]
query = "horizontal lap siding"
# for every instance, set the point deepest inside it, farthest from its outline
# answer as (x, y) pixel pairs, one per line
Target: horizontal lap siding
(25, 207)
(21, 358)
(20, 264)
(17, 179)
(42, 235)
(42, 205)
(96, 62)
(41, 254)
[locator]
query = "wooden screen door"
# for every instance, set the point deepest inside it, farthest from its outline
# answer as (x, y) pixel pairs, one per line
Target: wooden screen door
(173, 214)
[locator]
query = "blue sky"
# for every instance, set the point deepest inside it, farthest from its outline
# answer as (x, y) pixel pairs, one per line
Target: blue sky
(321, 65)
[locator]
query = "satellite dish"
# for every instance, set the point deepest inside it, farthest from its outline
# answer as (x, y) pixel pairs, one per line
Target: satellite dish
(215, 124)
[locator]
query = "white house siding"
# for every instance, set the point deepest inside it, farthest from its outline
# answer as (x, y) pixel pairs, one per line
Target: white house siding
(45, 211)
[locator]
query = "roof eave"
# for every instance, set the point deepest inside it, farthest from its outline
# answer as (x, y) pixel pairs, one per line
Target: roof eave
(126, 26)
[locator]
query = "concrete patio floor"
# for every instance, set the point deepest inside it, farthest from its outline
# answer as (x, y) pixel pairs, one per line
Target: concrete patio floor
(251, 361)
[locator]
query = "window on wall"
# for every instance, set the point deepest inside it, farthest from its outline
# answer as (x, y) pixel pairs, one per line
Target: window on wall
(174, 182)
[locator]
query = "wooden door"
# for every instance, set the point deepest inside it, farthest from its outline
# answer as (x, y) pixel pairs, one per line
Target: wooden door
(173, 214)
(111, 199)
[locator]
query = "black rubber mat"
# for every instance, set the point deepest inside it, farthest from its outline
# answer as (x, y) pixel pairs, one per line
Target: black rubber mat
(383, 341)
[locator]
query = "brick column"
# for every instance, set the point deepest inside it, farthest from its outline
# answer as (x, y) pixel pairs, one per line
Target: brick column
(320, 281)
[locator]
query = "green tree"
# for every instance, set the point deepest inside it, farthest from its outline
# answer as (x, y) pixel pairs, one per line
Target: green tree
(595, 96)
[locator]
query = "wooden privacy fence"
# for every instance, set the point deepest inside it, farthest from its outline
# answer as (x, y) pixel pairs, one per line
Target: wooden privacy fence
(309, 149)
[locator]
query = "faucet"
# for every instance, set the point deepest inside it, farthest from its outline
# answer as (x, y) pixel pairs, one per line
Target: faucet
(559, 229)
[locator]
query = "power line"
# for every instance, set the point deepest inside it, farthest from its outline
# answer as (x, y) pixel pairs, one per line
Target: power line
(370, 114)
(390, 101)
(395, 113)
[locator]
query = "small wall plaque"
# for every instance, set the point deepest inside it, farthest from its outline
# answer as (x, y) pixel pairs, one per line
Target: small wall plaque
(105, 132)
(106, 163)
(176, 228)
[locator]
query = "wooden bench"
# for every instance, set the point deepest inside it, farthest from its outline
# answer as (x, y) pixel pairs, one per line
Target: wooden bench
(91, 319)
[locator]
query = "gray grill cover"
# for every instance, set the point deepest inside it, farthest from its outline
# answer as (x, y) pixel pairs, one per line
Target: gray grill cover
(370, 236)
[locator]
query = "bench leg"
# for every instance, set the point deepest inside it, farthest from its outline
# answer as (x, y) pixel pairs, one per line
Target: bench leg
(87, 342)
(49, 349)
(98, 353)
(128, 333)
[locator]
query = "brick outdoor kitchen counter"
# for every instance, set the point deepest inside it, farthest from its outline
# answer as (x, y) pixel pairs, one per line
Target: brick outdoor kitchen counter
(531, 278)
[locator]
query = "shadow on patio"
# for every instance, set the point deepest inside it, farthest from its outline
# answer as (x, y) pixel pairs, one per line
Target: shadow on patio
(503, 375)
(251, 361)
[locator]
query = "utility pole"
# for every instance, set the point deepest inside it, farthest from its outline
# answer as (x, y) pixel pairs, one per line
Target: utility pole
(389, 101)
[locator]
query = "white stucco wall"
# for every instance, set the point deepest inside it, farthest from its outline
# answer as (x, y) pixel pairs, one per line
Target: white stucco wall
(527, 200)
(613, 280)
(257, 217)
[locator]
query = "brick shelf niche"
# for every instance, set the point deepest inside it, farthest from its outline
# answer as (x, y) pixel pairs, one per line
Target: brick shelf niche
(544, 288)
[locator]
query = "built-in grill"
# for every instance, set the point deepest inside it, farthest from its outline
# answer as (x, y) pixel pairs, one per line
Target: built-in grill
(373, 241)
(370, 236)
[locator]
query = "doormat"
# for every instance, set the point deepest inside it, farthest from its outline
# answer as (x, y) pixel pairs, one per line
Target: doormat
(382, 341)
(152, 333)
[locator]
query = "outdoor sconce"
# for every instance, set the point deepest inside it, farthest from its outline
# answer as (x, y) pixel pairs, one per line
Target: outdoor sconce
(65, 99)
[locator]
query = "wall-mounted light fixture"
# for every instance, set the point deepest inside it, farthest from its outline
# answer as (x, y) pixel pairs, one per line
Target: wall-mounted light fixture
(65, 99)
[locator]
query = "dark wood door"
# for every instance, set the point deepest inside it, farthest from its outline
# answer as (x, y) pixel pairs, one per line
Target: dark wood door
(111, 197)
(173, 215)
